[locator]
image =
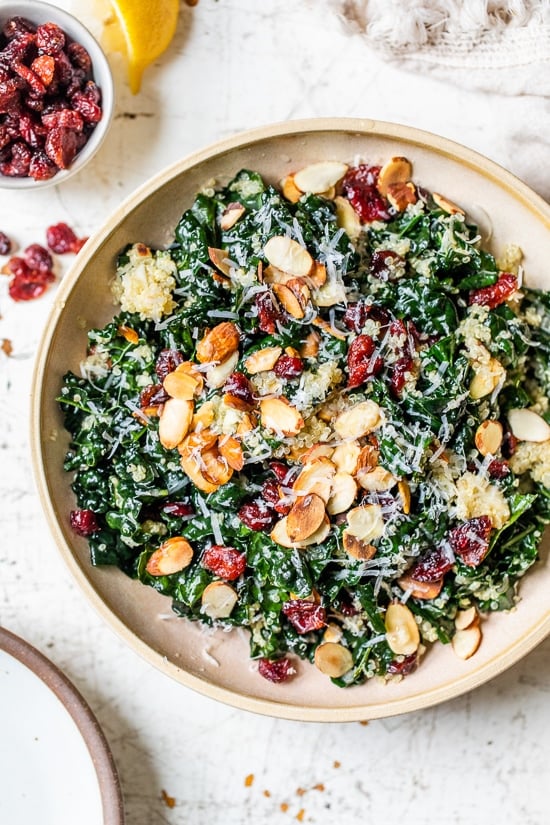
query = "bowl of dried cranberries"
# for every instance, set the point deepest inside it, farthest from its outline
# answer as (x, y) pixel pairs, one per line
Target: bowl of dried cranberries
(56, 95)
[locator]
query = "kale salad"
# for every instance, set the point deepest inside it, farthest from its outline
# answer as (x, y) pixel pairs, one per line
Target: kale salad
(321, 415)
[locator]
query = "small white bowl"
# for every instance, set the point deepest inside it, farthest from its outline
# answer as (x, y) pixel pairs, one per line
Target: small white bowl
(38, 13)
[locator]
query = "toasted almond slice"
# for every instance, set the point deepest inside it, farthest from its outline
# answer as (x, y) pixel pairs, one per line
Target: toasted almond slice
(467, 617)
(342, 496)
(395, 170)
(316, 477)
(328, 194)
(333, 659)
(231, 450)
(219, 343)
(447, 205)
(329, 328)
(318, 536)
(197, 442)
(376, 481)
(300, 289)
(173, 555)
(262, 360)
(290, 190)
(310, 346)
(272, 275)
(215, 467)
(316, 451)
(420, 590)
(487, 378)
(466, 642)
(218, 375)
(218, 600)
(279, 415)
(318, 177)
(289, 300)
(402, 632)
(405, 495)
(318, 275)
(400, 195)
(347, 218)
(359, 420)
(183, 384)
(232, 213)
(175, 421)
(287, 254)
(330, 294)
(368, 459)
(527, 425)
(333, 632)
(191, 466)
(204, 416)
(346, 457)
(357, 548)
(488, 437)
(305, 517)
(292, 351)
(366, 522)
(279, 534)
(219, 258)
(246, 424)
(128, 334)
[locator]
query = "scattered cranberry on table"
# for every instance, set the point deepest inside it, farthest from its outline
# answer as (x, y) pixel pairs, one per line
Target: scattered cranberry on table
(49, 102)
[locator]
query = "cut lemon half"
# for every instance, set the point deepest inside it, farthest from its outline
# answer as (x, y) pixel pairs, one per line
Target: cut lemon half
(148, 27)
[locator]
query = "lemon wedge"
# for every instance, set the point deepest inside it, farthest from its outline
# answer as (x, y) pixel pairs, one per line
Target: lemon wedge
(148, 27)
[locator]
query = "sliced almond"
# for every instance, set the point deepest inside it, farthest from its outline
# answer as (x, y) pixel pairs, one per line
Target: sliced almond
(128, 334)
(310, 347)
(400, 195)
(191, 451)
(329, 328)
(280, 535)
(272, 275)
(333, 659)
(316, 451)
(204, 416)
(343, 493)
(175, 421)
(330, 294)
(346, 457)
(191, 466)
(216, 376)
(359, 420)
(218, 600)
(316, 477)
(467, 617)
(447, 205)
(395, 170)
(231, 450)
(246, 424)
(219, 258)
(402, 632)
(488, 437)
(347, 218)
(290, 190)
(318, 177)
(333, 632)
(368, 459)
(405, 495)
(357, 548)
(305, 517)
(300, 289)
(288, 255)
(328, 194)
(376, 481)
(232, 213)
(219, 343)
(466, 642)
(420, 590)
(214, 467)
(183, 382)
(173, 555)
(290, 301)
(527, 425)
(279, 415)
(318, 275)
(487, 378)
(366, 522)
(262, 360)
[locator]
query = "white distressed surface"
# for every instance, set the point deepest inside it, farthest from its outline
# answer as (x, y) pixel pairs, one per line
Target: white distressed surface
(481, 758)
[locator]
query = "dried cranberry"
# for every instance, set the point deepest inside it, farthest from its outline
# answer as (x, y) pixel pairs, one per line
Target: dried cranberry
(10, 94)
(280, 470)
(66, 118)
(305, 616)
(41, 167)
(268, 314)
(153, 396)
(272, 496)
(36, 257)
(84, 522)
(79, 57)
(360, 187)
(399, 372)
(18, 164)
(31, 79)
(18, 48)
(256, 515)
(225, 562)
(32, 131)
(288, 366)
(509, 444)
(402, 668)
(432, 566)
(17, 25)
(275, 670)
(180, 509)
(61, 239)
(167, 361)
(383, 263)
(85, 103)
(44, 68)
(239, 390)
(363, 363)
(5, 244)
(470, 540)
(26, 290)
(50, 38)
(496, 294)
(61, 146)
(498, 469)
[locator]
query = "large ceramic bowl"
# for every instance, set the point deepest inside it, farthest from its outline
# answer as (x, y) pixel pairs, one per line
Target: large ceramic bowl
(218, 665)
